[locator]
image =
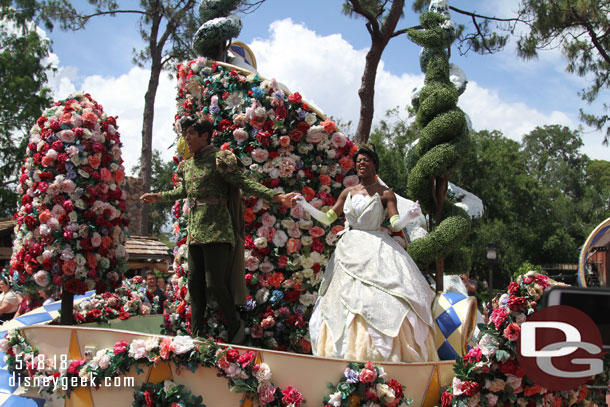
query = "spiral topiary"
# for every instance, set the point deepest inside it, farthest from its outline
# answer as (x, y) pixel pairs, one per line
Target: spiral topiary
(442, 145)
(219, 27)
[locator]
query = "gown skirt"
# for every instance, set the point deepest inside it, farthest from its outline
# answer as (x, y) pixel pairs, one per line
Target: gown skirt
(374, 303)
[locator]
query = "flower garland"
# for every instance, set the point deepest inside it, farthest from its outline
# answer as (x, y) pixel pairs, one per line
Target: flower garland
(70, 228)
(130, 299)
(489, 374)
(366, 382)
(165, 394)
(288, 147)
(240, 369)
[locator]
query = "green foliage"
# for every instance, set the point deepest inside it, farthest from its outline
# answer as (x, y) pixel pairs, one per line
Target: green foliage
(166, 26)
(23, 91)
(217, 29)
(580, 28)
(442, 147)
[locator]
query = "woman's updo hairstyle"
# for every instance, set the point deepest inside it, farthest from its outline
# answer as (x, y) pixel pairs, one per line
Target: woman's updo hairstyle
(367, 149)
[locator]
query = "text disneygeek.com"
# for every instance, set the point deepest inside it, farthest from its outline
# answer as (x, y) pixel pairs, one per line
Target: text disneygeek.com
(66, 382)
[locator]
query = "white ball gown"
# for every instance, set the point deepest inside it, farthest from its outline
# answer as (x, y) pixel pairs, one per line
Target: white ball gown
(374, 302)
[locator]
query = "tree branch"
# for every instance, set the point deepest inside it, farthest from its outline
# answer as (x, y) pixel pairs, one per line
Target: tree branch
(103, 13)
(374, 24)
(480, 33)
(472, 14)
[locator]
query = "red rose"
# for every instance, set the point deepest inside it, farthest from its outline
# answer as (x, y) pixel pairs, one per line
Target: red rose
(295, 98)
(295, 135)
(397, 387)
(245, 359)
(317, 245)
(517, 303)
(513, 288)
(292, 396)
(292, 296)
(471, 388)
(446, 399)
(232, 354)
(149, 398)
(512, 331)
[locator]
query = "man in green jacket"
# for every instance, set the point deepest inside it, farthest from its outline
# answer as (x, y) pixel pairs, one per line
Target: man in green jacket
(206, 180)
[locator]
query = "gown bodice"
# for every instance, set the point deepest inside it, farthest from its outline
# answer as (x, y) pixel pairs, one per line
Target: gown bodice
(364, 212)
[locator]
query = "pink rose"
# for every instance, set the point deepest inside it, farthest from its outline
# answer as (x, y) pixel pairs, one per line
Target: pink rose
(338, 140)
(240, 135)
(284, 141)
(47, 161)
(297, 212)
(105, 174)
(512, 331)
(294, 231)
(120, 347)
(68, 267)
(96, 239)
(57, 211)
(41, 278)
(252, 263)
(316, 231)
(314, 135)
(165, 348)
(268, 220)
(350, 180)
(67, 136)
(68, 186)
(367, 375)
(260, 155)
(293, 245)
(267, 394)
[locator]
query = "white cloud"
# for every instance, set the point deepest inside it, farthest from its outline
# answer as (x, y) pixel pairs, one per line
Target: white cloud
(326, 70)
(488, 111)
(123, 96)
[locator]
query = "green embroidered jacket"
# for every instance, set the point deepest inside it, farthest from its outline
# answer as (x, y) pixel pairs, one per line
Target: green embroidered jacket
(204, 179)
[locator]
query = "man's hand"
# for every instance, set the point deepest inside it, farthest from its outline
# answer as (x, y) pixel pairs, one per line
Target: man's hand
(151, 197)
(288, 200)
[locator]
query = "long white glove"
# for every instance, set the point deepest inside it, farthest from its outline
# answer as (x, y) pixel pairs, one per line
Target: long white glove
(399, 223)
(324, 217)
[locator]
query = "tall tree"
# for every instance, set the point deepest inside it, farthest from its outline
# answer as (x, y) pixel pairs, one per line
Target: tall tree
(23, 91)
(382, 17)
(162, 172)
(165, 26)
(582, 29)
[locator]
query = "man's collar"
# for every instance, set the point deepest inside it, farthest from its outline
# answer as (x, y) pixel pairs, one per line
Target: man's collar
(205, 151)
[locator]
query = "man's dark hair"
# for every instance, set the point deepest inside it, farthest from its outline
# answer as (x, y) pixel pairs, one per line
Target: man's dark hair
(149, 272)
(201, 126)
(369, 152)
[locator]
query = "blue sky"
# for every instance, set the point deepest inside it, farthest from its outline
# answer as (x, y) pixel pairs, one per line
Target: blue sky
(314, 49)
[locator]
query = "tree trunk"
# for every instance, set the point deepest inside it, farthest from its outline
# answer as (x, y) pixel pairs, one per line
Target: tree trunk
(380, 36)
(147, 133)
(67, 308)
(367, 91)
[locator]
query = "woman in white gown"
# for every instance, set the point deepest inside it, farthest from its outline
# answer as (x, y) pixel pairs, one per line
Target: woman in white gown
(374, 302)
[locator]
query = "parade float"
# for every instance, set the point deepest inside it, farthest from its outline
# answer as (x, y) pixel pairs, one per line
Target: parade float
(116, 354)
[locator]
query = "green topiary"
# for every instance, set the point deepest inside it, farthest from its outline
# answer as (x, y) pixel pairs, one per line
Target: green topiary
(219, 27)
(441, 148)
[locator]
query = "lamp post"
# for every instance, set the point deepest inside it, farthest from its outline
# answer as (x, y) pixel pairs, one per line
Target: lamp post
(492, 255)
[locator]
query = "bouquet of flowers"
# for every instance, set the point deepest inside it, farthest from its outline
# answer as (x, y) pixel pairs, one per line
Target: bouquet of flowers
(70, 228)
(287, 146)
(367, 383)
(489, 374)
(130, 299)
